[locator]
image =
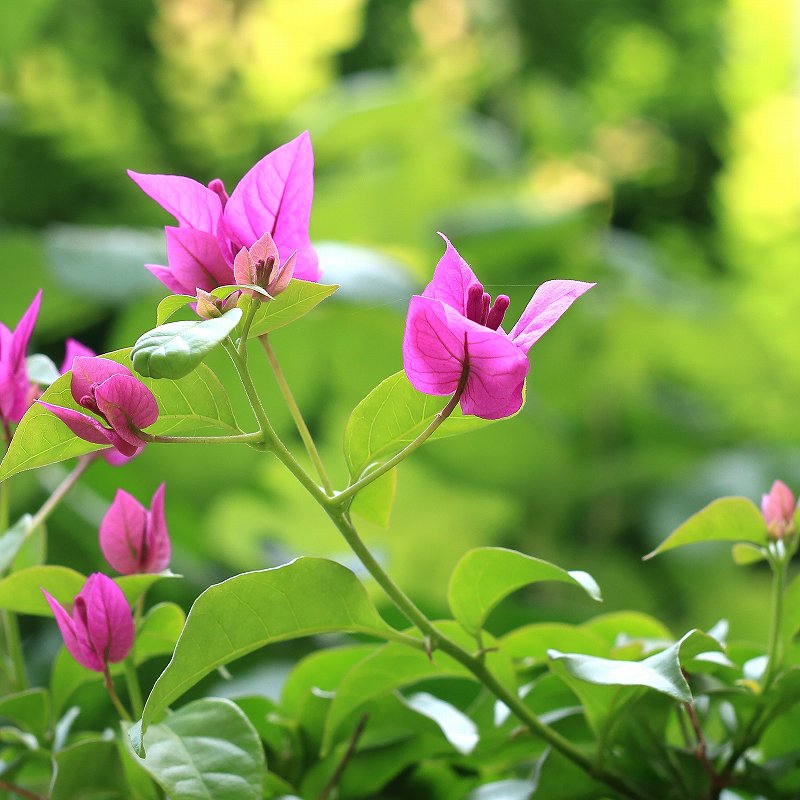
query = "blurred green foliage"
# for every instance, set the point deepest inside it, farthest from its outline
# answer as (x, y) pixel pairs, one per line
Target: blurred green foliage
(648, 146)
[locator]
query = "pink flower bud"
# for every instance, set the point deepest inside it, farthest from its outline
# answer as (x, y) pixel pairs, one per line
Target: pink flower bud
(112, 392)
(778, 508)
(133, 539)
(210, 307)
(100, 629)
(260, 266)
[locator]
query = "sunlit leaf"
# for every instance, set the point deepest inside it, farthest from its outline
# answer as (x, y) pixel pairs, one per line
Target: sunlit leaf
(296, 301)
(730, 519)
(486, 575)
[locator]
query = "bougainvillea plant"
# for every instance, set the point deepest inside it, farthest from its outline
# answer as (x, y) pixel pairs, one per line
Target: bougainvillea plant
(616, 707)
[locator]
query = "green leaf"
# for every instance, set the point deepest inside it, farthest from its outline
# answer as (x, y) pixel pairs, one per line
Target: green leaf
(390, 417)
(305, 597)
(21, 591)
(89, 770)
(456, 726)
(744, 554)
(29, 710)
(156, 637)
(175, 349)
(660, 672)
(207, 750)
(627, 625)
(532, 642)
(374, 502)
(172, 304)
(395, 666)
(41, 370)
(730, 519)
(193, 404)
(296, 301)
(486, 575)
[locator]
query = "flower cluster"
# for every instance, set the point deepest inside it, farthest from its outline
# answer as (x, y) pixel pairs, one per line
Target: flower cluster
(274, 197)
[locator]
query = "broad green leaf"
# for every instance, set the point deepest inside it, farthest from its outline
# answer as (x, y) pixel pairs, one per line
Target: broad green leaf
(395, 666)
(89, 770)
(41, 370)
(730, 519)
(193, 404)
(12, 540)
(620, 626)
(175, 349)
(660, 672)
(171, 304)
(207, 750)
(532, 642)
(390, 417)
(156, 637)
(486, 575)
(305, 597)
(21, 591)
(29, 710)
(296, 301)
(374, 502)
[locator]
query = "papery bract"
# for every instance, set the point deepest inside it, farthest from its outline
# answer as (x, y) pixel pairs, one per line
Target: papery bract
(778, 508)
(273, 197)
(15, 388)
(260, 266)
(111, 391)
(100, 629)
(454, 326)
(134, 539)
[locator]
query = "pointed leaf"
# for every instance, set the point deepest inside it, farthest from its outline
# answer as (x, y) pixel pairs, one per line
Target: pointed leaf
(294, 302)
(193, 404)
(305, 597)
(171, 304)
(390, 417)
(173, 350)
(456, 726)
(207, 750)
(730, 519)
(486, 575)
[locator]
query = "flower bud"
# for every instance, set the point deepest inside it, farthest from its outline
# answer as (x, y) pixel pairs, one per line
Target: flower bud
(778, 508)
(133, 539)
(100, 629)
(260, 266)
(209, 307)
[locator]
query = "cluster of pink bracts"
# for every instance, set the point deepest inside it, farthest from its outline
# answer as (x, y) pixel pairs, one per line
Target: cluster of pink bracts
(100, 629)
(258, 235)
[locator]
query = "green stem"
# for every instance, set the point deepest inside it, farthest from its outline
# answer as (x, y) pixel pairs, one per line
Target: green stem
(775, 646)
(61, 491)
(297, 415)
(254, 437)
(248, 321)
(134, 690)
(343, 498)
(109, 684)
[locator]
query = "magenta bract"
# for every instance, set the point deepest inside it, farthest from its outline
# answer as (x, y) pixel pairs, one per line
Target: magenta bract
(110, 391)
(15, 390)
(454, 325)
(778, 508)
(100, 629)
(274, 197)
(134, 539)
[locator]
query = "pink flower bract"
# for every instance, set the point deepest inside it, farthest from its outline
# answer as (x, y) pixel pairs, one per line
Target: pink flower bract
(778, 508)
(111, 391)
(133, 539)
(454, 325)
(274, 197)
(15, 388)
(100, 629)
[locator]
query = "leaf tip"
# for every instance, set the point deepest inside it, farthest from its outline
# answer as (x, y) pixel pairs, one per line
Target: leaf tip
(136, 735)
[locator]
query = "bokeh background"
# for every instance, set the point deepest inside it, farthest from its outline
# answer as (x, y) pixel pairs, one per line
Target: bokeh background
(648, 145)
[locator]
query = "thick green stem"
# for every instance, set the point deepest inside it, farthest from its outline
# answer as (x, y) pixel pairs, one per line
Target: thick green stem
(134, 690)
(297, 415)
(345, 497)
